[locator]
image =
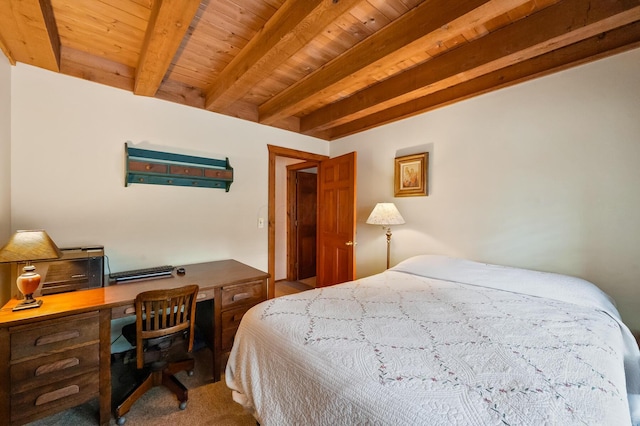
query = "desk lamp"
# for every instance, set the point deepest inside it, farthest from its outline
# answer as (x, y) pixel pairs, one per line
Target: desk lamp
(28, 246)
(386, 214)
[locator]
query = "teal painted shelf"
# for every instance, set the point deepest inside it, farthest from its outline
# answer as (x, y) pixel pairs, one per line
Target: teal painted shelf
(164, 168)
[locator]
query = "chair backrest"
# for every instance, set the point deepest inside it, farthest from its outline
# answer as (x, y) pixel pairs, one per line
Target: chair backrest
(164, 312)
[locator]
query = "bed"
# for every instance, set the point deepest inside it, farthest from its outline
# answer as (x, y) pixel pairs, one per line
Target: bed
(438, 341)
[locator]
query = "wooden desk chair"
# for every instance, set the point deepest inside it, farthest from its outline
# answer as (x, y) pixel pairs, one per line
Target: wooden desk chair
(165, 321)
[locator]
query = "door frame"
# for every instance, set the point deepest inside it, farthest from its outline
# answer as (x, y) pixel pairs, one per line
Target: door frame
(292, 210)
(276, 151)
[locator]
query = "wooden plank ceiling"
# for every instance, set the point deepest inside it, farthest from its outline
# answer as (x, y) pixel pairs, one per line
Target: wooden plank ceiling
(325, 68)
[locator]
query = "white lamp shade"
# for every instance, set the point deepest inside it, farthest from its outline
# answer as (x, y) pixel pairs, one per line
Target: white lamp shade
(385, 214)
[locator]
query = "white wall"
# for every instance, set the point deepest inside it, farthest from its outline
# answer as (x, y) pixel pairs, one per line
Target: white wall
(67, 159)
(543, 175)
(5, 170)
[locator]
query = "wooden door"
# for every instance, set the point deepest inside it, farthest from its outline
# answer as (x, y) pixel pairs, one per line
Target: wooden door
(336, 220)
(306, 209)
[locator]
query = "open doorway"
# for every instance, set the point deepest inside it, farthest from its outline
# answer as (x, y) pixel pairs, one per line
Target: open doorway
(336, 217)
(305, 160)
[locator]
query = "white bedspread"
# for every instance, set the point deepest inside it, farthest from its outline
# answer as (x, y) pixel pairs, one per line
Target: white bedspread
(437, 341)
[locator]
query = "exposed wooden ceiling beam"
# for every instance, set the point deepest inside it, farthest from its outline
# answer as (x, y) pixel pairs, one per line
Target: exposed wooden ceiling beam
(413, 33)
(29, 34)
(169, 22)
(590, 49)
(291, 27)
(556, 26)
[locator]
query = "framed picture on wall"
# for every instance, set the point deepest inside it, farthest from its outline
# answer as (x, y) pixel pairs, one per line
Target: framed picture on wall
(411, 175)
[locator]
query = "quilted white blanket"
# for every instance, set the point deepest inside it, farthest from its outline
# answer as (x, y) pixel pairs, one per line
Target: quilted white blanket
(437, 341)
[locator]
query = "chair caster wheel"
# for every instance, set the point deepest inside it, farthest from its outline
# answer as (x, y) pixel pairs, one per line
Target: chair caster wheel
(183, 405)
(120, 421)
(190, 373)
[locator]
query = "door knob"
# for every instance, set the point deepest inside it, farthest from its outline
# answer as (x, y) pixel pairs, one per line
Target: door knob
(351, 243)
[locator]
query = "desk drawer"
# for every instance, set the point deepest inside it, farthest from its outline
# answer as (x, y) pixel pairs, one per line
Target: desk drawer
(49, 399)
(123, 311)
(54, 335)
(242, 294)
(52, 368)
(129, 310)
(230, 322)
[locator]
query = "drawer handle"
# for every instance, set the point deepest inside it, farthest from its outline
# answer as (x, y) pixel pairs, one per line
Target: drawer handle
(57, 337)
(201, 296)
(240, 296)
(57, 394)
(57, 366)
(237, 317)
(130, 310)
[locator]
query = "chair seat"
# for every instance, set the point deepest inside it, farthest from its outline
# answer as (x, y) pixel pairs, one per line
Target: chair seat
(173, 344)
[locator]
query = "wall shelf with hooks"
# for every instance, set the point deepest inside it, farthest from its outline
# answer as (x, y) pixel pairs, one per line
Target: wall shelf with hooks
(164, 168)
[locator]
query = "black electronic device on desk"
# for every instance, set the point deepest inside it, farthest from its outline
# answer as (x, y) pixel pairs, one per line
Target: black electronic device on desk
(78, 268)
(137, 274)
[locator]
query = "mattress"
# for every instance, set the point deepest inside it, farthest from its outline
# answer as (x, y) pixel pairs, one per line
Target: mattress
(438, 341)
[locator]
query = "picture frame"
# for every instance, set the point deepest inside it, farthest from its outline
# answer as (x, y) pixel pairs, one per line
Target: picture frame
(410, 177)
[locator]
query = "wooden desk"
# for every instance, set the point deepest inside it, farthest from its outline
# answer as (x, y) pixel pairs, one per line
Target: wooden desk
(59, 355)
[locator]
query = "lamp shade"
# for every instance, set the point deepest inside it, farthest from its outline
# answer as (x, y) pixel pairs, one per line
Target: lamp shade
(385, 214)
(29, 245)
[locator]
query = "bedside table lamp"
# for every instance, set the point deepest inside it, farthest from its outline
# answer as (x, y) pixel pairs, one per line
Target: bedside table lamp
(28, 246)
(386, 214)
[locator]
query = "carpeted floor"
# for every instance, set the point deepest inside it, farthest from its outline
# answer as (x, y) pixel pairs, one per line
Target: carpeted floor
(209, 404)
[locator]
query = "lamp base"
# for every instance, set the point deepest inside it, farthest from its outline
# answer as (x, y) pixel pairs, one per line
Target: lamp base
(28, 304)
